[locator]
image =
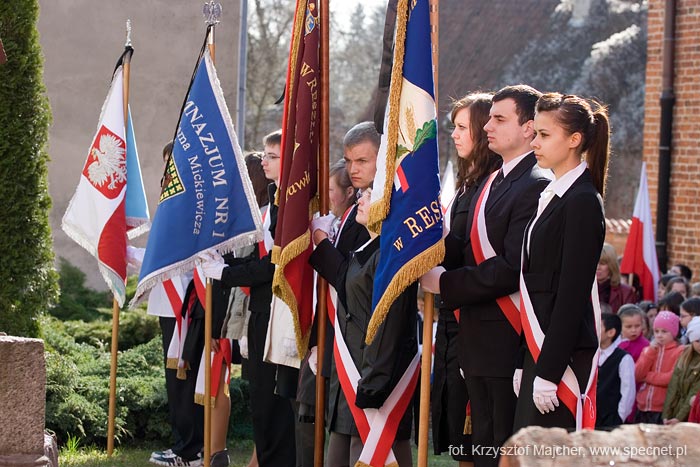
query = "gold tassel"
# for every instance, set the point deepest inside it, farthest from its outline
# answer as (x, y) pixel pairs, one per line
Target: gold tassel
(468, 425)
(171, 364)
(405, 276)
(182, 373)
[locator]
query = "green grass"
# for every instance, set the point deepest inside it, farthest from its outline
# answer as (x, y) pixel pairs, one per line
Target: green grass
(136, 455)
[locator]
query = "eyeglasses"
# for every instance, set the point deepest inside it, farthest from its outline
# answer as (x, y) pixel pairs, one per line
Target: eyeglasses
(269, 157)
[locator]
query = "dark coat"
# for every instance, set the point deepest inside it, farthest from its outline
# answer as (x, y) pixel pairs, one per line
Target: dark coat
(488, 343)
(559, 272)
(383, 362)
(449, 392)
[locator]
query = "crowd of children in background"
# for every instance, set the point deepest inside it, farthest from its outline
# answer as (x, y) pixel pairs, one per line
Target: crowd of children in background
(649, 367)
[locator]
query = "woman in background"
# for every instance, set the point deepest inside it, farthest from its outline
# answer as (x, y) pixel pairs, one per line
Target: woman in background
(610, 289)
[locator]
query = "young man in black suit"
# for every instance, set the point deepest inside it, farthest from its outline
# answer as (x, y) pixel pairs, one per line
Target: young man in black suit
(489, 333)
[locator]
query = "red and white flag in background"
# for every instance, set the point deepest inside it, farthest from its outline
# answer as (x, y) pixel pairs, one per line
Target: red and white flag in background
(640, 251)
(96, 215)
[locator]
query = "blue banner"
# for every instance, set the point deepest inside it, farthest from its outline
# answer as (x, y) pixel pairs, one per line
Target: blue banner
(411, 232)
(207, 198)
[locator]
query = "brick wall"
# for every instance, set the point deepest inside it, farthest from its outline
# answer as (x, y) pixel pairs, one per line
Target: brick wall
(684, 209)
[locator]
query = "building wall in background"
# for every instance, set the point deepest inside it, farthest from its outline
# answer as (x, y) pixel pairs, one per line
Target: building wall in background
(684, 213)
(81, 40)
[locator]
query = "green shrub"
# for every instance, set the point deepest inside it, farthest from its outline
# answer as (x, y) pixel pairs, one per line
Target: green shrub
(78, 301)
(77, 390)
(27, 276)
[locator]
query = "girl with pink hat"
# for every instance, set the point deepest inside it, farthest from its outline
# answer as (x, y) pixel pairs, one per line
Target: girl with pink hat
(655, 368)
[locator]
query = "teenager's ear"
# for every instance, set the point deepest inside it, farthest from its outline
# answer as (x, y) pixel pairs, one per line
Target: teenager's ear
(575, 140)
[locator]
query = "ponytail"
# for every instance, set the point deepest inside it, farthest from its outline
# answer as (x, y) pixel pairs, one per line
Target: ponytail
(598, 148)
(576, 114)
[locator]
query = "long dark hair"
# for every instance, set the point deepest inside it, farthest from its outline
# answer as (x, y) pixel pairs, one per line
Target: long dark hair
(481, 161)
(253, 162)
(576, 115)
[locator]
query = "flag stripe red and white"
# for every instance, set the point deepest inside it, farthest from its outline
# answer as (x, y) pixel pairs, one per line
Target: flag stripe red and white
(96, 216)
(640, 250)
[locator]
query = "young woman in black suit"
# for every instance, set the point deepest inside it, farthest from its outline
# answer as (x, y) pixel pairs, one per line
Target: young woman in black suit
(476, 162)
(561, 249)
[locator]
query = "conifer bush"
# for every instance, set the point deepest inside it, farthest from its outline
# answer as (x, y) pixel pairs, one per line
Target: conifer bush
(27, 277)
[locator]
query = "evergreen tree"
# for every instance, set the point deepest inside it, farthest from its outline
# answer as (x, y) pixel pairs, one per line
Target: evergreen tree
(28, 281)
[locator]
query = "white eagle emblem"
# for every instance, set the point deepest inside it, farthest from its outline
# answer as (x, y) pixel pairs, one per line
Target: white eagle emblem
(109, 163)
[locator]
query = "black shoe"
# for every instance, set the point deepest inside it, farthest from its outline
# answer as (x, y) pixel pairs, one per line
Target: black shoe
(220, 459)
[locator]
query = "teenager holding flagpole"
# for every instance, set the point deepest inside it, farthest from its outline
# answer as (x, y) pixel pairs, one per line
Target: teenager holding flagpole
(560, 310)
(273, 418)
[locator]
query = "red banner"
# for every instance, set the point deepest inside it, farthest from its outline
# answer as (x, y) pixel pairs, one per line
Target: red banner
(298, 188)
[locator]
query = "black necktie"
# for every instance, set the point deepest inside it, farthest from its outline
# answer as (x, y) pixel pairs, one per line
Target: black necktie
(497, 181)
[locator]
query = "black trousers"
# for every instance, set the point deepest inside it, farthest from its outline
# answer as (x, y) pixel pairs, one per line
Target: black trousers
(273, 417)
(186, 417)
(493, 409)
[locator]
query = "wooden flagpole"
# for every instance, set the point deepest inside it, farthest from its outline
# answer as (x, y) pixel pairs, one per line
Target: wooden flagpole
(323, 166)
(113, 378)
(212, 12)
(207, 337)
(126, 67)
(429, 299)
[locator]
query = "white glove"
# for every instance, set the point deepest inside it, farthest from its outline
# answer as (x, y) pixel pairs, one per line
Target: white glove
(517, 379)
(544, 395)
(212, 263)
(243, 346)
(289, 347)
(323, 223)
(134, 257)
(430, 281)
(313, 359)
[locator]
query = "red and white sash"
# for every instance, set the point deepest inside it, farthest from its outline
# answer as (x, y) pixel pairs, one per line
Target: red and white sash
(266, 243)
(482, 249)
(220, 360)
(377, 427)
(169, 295)
(581, 405)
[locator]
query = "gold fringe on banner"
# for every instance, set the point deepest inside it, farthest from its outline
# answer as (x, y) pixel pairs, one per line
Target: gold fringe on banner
(405, 276)
(379, 209)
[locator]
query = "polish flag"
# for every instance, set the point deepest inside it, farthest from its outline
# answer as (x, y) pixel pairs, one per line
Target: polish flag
(96, 215)
(640, 251)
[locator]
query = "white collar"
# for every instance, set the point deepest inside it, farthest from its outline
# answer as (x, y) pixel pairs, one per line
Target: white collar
(561, 185)
(611, 348)
(510, 165)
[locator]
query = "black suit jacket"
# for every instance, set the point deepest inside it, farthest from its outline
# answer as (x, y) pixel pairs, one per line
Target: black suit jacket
(331, 263)
(488, 344)
(559, 272)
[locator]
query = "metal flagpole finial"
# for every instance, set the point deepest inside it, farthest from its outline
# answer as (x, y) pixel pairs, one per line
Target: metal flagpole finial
(211, 12)
(128, 33)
